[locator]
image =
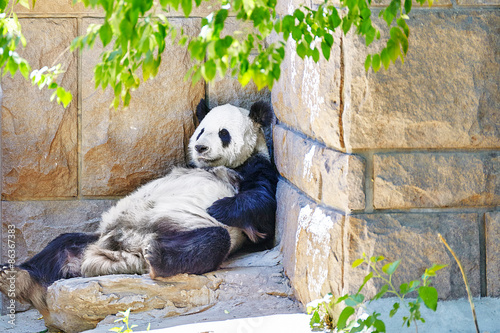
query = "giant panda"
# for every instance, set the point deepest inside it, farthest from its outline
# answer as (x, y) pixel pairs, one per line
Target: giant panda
(188, 221)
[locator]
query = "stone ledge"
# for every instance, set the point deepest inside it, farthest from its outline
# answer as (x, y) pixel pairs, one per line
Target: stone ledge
(329, 177)
(81, 303)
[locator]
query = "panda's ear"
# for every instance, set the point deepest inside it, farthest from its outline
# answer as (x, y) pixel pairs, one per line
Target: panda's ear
(261, 113)
(202, 110)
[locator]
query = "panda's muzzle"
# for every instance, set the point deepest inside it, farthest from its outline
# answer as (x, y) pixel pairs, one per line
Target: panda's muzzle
(200, 149)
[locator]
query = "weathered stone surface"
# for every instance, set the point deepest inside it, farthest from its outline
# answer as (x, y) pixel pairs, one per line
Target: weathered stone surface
(436, 180)
(40, 160)
(311, 245)
(307, 96)
(492, 234)
(107, 295)
(413, 238)
(125, 148)
(54, 7)
(246, 279)
(38, 222)
(229, 90)
(478, 2)
(446, 95)
(333, 178)
(416, 5)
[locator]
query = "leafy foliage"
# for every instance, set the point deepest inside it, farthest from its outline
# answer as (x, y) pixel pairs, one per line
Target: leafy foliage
(330, 313)
(135, 34)
(11, 62)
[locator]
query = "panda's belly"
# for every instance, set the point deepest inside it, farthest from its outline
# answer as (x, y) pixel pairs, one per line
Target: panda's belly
(180, 199)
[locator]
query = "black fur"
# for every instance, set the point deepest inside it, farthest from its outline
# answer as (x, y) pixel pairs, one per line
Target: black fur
(202, 110)
(196, 251)
(225, 137)
(46, 267)
(261, 113)
(253, 208)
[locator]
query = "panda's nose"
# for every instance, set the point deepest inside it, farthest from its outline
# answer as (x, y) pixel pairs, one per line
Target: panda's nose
(201, 148)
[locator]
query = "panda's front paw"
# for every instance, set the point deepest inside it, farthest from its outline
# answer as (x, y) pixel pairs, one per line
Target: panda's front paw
(221, 210)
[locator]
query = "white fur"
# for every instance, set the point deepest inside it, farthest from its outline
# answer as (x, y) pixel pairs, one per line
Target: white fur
(181, 198)
(247, 138)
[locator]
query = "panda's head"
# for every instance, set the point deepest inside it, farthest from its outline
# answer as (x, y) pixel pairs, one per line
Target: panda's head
(228, 135)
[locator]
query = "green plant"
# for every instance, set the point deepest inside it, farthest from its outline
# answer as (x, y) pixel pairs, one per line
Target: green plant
(125, 319)
(334, 312)
(11, 38)
(135, 35)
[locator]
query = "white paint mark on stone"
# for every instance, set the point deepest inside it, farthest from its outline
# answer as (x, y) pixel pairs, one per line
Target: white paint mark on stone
(308, 160)
(310, 88)
(317, 226)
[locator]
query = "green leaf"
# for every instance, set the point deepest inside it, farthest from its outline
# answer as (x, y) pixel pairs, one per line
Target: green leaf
(187, 6)
(296, 34)
(315, 55)
(368, 63)
(386, 61)
(395, 308)
(365, 280)
(436, 268)
(24, 3)
(389, 268)
(105, 33)
(430, 297)
(344, 316)
(381, 293)
(408, 4)
(315, 319)
(209, 70)
(301, 50)
(403, 288)
(354, 300)
(357, 262)
(64, 96)
(299, 15)
(326, 49)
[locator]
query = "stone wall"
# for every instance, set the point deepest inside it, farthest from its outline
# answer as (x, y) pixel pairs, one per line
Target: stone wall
(382, 162)
(61, 168)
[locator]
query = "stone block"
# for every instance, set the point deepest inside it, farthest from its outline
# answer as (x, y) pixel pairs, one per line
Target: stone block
(311, 244)
(55, 7)
(492, 234)
(128, 147)
(439, 3)
(102, 296)
(333, 178)
(445, 95)
(413, 238)
(307, 96)
(38, 222)
(229, 90)
(436, 180)
(478, 2)
(39, 137)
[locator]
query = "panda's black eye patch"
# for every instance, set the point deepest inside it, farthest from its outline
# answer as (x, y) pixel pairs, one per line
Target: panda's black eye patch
(201, 132)
(225, 137)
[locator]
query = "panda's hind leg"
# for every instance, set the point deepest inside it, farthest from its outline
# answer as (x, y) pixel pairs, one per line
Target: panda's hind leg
(18, 284)
(195, 251)
(60, 259)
